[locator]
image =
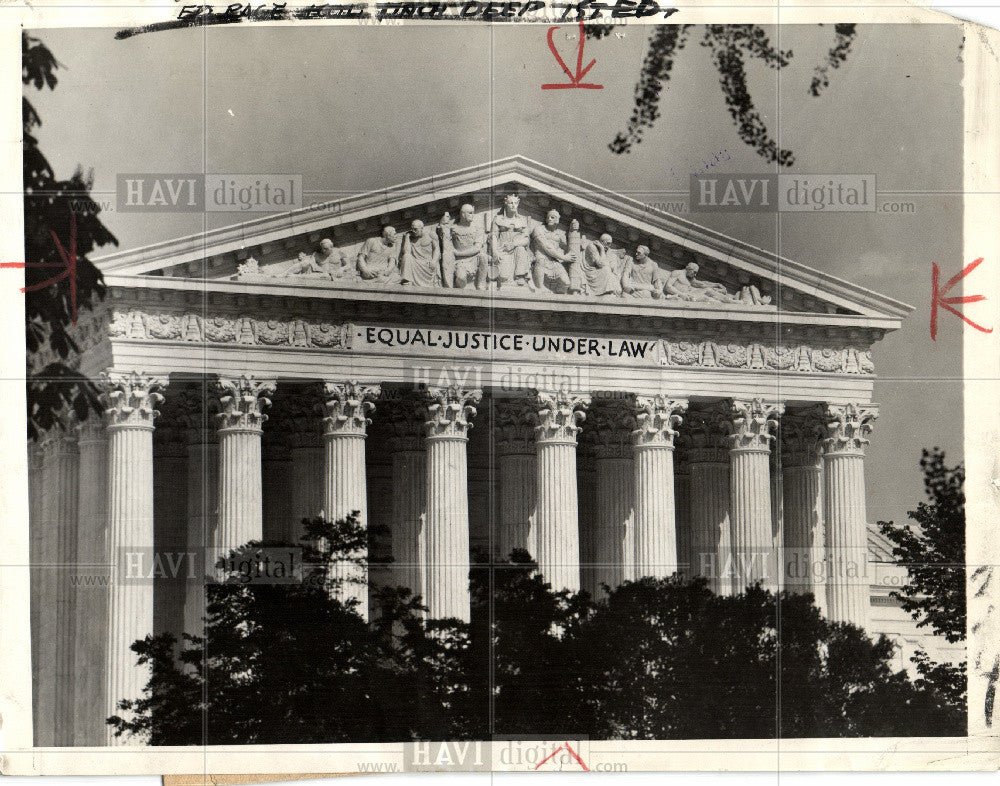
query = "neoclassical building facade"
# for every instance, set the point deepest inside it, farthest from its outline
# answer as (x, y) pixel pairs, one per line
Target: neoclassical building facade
(496, 358)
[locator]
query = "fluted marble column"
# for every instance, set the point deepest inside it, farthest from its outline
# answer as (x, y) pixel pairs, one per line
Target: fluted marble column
(47, 592)
(305, 440)
(557, 513)
(92, 592)
(241, 416)
(708, 468)
(130, 401)
(66, 493)
(175, 564)
(409, 495)
(682, 508)
(750, 493)
(517, 470)
(655, 516)
(36, 517)
(346, 406)
(449, 412)
(776, 494)
(803, 566)
(609, 430)
(202, 498)
(846, 434)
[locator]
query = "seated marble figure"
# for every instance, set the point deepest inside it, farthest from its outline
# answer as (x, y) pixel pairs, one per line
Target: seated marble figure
(642, 277)
(378, 258)
(509, 247)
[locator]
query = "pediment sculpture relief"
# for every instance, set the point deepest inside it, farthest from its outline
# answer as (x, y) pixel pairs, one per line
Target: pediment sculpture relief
(326, 263)
(517, 253)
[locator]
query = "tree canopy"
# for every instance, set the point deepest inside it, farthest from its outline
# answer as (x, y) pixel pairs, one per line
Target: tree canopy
(657, 659)
(61, 227)
(933, 551)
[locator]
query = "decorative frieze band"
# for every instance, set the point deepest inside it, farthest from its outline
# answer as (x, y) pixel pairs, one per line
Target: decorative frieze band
(246, 330)
(758, 356)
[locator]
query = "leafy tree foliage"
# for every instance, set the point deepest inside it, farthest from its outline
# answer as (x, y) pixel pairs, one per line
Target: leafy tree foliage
(289, 663)
(662, 659)
(732, 46)
(56, 213)
(657, 659)
(933, 551)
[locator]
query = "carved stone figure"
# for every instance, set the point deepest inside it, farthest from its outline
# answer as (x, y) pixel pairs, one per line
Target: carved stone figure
(420, 258)
(601, 268)
(249, 268)
(750, 294)
(513, 251)
(510, 258)
(463, 250)
(327, 263)
(378, 258)
(642, 277)
(552, 257)
(685, 285)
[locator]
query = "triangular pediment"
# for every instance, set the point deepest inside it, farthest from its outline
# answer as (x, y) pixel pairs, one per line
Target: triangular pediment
(290, 247)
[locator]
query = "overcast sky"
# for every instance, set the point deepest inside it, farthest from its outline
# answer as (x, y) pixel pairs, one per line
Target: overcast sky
(353, 109)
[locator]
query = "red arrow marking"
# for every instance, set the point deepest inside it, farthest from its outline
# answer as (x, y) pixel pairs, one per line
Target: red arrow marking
(575, 80)
(68, 264)
(948, 303)
(572, 753)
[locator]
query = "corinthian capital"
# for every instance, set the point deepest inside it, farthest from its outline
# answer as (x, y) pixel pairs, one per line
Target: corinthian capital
(449, 411)
(513, 427)
(558, 416)
(657, 417)
(704, 436)
(295, 415)
(242, 402)
(847, 427)
(610, 424)
(752, 422)
(801, 433)
(346, 406)
(130, 398)
(403, 414)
